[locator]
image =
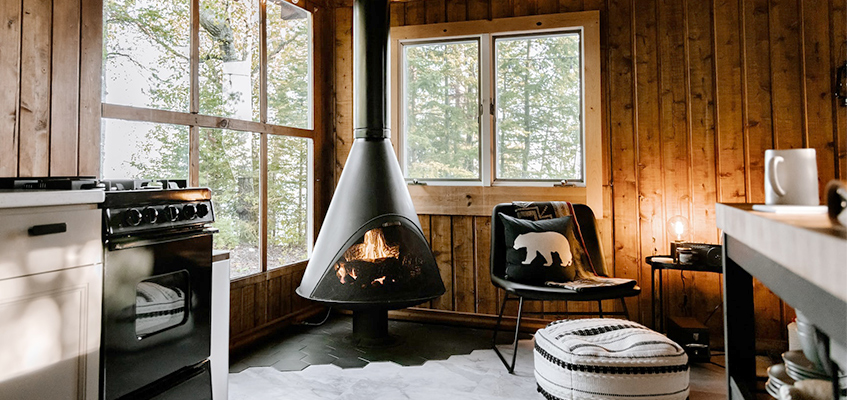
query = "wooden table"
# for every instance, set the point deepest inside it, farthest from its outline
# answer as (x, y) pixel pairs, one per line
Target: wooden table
(801, 258)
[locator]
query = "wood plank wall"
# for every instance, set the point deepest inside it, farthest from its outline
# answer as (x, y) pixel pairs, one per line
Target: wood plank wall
(262, 304)
(694, 92)
(50, 64)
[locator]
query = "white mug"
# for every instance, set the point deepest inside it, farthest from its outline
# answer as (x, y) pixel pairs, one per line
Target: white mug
(791, 177)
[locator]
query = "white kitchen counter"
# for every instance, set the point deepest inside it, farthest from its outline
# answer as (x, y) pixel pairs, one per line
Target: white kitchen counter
(12, 198)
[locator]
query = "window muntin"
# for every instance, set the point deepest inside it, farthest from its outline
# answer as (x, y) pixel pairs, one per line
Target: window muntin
(146, 57)
(441, 108)
(538, 99)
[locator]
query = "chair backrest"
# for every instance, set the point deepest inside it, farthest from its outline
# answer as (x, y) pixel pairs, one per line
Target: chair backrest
(587, 225)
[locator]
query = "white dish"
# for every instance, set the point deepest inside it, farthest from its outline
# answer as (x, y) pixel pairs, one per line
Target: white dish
(787, 209)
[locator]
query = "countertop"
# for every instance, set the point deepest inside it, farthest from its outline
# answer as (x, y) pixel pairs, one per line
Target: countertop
(807, 245)
(10, 198)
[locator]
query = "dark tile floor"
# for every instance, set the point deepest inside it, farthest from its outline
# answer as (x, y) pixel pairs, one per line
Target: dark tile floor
(300, 346)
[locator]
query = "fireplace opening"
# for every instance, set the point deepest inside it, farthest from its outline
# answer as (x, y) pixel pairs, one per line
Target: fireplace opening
(385, 263)
(370, 255)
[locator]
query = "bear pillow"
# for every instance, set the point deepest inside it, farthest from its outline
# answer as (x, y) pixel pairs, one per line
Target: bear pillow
(538, 251)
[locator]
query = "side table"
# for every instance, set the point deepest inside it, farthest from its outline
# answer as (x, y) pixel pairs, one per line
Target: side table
(662, 263)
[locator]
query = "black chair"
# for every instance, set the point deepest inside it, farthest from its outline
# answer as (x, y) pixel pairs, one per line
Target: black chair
(520, 291)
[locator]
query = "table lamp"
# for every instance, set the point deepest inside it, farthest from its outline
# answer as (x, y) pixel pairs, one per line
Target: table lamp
(678, 227)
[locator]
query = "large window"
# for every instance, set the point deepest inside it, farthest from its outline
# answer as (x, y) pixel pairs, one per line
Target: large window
(500, 103)
(219, 93)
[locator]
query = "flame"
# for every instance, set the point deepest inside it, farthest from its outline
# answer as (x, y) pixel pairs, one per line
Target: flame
(379, 281)
(372, 249)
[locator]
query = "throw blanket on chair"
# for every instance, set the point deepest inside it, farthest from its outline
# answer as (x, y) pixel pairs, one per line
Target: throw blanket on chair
(586, 277)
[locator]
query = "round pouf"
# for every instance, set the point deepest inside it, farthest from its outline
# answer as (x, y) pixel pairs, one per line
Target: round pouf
(608, 359)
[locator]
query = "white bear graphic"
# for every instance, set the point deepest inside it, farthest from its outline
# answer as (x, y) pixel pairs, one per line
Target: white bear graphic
(545, 243)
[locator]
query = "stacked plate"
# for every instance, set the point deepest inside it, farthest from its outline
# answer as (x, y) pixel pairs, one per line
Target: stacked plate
(799, 367)
(777, 378)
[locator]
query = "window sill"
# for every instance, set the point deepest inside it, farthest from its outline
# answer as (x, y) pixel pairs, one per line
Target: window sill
(480, 200)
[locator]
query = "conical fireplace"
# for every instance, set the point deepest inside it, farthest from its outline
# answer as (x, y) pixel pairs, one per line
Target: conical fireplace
(371, 255)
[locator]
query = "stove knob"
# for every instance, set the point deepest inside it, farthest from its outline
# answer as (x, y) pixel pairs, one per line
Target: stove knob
(202, 210)
(189, 211)
(171, 213)
(151, 215)
(132, 217)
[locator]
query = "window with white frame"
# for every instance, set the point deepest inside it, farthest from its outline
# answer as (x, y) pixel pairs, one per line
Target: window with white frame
(219, 93)
(499, 102)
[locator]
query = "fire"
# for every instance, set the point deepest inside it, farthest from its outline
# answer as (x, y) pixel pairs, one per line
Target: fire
(373, 248)
(378, 280)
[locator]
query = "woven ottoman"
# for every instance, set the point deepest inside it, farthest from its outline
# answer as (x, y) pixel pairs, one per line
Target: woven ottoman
(608, 359)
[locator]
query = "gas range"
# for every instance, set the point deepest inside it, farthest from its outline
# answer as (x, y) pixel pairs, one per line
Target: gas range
(138, 206)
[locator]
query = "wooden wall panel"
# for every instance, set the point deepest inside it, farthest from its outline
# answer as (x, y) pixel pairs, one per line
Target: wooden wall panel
(50, 71)
(463, 263)
(442, 248)
(34, 150)
(91, 60)
(343, 83)
(10, 74)
(704, 289)
(64, 93)
(694, 93)
(648, 145)
(787, 69)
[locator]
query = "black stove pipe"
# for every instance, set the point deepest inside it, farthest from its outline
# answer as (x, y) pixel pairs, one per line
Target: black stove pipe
(370, 72)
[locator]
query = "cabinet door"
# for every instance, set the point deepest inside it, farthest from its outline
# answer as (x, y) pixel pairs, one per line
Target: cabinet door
(50, 335)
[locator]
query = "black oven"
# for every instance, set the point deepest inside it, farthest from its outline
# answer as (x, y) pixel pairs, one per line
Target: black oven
(156, 295)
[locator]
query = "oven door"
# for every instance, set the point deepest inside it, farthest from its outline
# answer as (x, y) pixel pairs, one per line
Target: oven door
(156, 309)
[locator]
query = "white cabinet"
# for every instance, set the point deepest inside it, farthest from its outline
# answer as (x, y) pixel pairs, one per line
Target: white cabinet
(50, 297)
(219, 358)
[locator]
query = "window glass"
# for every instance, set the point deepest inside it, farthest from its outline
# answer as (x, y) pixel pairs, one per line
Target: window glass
(146, 50)
(144, 150)
(229, 58)
(229, 165)
(289, 65)
(289, 200)
(441, 110)
(538, 102)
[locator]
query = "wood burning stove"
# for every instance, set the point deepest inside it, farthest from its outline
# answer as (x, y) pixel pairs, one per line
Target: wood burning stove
(371, 255)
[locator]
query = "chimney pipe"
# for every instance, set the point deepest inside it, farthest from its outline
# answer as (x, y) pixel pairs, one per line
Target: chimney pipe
(370, 71)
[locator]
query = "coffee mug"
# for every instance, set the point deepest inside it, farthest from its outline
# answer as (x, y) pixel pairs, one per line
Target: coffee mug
(791, 177)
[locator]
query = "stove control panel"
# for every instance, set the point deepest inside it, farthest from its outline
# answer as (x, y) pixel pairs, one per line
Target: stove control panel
(120, 221)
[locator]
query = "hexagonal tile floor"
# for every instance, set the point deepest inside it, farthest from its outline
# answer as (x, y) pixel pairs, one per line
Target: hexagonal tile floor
(301, 346)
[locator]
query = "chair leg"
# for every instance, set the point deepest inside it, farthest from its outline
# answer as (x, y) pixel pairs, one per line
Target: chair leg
(625, 310)
(510, 368)
(600, 307)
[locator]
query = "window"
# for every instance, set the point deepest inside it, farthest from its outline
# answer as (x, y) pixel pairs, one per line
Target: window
(500, 103)
(226, 103)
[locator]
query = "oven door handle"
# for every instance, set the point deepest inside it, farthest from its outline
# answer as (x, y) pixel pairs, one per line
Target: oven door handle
(136, 242)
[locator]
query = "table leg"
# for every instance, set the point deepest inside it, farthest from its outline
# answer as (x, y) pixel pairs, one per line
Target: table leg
(653, 296)
(739, 335)
(661, 302)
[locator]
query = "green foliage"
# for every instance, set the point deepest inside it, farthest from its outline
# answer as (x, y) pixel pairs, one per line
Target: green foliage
(538, 107)
(442, 97)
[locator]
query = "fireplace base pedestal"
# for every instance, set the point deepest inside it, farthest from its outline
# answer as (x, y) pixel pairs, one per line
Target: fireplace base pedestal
(370, 329)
